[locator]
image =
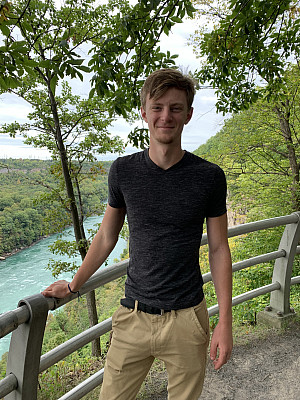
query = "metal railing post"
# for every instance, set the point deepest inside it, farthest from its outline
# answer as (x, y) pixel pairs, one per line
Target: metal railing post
(25, 349)
(279, 312)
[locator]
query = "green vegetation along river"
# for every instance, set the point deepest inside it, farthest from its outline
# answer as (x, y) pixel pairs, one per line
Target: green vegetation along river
(24, 274)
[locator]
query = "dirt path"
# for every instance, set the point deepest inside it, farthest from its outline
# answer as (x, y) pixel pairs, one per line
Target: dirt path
(260, 369)
(266, 369)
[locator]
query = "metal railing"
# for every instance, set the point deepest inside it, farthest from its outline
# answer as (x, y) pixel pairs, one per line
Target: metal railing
(27, 322)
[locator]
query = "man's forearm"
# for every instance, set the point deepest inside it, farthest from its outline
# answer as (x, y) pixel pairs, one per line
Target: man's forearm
(101, 246)
(221, 269)
(96, 255)
(221, 341)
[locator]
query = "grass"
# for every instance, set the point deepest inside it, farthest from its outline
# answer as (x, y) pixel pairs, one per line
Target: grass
(155, 383)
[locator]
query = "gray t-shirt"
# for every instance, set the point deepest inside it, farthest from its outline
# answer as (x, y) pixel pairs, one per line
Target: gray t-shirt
(165, 212)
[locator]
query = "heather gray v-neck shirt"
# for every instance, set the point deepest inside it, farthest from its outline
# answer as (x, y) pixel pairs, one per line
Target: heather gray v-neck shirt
(165, 212)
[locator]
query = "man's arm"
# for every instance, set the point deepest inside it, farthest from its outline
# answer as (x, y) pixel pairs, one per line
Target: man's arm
(221, 270)
(100, 248)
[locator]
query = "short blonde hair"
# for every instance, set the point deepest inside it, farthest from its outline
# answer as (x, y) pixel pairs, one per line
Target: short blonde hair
(161, 80)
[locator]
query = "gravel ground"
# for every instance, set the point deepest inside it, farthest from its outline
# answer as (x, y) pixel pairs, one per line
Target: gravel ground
(260, 369)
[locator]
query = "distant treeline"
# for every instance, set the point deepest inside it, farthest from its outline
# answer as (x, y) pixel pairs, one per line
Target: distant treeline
(27, 204)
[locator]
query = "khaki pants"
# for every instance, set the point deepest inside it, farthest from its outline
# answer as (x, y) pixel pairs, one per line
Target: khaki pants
(179, 338)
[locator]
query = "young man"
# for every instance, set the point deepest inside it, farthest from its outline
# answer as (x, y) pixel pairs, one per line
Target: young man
(166, 193)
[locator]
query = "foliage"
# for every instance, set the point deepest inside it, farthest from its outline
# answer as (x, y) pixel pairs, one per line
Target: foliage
(251, 41)
(122, 49)
(84, 124)
(247, 57)
(14, 59)
(253, 152)
(260, 153)
(28, 212)
(63, 376)
(3, 362)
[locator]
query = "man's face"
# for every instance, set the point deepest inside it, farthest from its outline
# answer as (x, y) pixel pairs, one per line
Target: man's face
(167, 116)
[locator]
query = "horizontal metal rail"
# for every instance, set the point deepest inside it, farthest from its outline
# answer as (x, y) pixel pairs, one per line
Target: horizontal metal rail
(10, 320)
(84, 387)
(258, 226)
(76, 343)
(8, 384)
(295, 280)
(241, 298)
(250, 262)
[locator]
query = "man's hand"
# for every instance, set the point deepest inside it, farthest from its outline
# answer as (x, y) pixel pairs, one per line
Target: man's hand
(58, 289)
(221, 345)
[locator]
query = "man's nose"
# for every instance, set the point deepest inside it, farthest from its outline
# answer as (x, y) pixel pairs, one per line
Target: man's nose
(166, 114)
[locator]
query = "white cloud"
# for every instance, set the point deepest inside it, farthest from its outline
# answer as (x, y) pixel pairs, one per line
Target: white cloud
(12, 109)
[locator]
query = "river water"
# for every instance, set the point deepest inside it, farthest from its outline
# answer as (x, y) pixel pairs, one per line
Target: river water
(24, 274)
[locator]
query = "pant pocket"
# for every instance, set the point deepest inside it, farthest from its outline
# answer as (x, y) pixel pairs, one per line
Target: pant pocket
(120, 315)
(201, 320)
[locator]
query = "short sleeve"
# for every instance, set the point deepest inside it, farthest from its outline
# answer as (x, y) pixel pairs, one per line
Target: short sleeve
(217, 203)
(115, 196)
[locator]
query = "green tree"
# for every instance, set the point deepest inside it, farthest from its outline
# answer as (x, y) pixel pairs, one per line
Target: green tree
(251, 43)
(247, 57)
(83, 125)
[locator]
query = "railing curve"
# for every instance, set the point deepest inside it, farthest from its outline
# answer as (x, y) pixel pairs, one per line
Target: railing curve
(27, 322)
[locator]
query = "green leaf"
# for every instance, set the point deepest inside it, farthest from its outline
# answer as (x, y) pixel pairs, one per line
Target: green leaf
(27, 26)
(45, 64)
(76, 62)
(84, 68)
(53, 84)
(3, 84)
(190, 10)
(176, 20)
(64, 43)
(4, 29)
(92, 93)
(79, 74)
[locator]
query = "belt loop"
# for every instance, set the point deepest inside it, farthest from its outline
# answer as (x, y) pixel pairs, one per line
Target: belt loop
(174, 313)
(136, 303)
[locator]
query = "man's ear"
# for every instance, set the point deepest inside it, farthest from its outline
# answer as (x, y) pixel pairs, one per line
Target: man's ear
(189, 116)
(143, 113)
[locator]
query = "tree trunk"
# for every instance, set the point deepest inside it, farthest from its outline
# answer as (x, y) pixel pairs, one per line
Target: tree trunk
(294, 165)
(78, 230)
(93, 319)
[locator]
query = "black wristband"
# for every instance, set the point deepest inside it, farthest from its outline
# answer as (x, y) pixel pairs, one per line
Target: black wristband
(78, 294)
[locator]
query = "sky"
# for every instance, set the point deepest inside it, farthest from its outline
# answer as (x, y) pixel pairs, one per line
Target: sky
(204, 124)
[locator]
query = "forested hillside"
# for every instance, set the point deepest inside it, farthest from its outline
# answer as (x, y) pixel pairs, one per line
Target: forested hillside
(28, 209)
(256, 155)
(258, 148)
